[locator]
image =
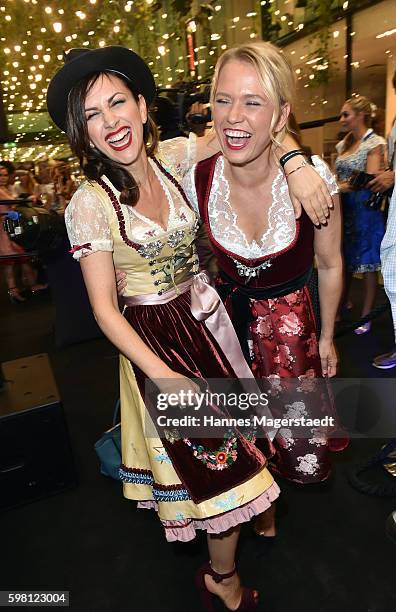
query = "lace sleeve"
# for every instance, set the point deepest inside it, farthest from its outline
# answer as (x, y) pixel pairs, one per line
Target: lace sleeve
(374, 142)
(179, 153)
(188, 184)
(325, 173)
(86, 223)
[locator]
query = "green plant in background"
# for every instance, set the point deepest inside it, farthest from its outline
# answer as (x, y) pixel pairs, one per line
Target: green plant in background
(321, 39)
(319, 15)
(182, 7)
(270, 26)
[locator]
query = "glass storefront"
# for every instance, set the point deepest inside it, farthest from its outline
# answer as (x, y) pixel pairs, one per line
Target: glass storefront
(320, 78)
(325, 80)
(374, 46)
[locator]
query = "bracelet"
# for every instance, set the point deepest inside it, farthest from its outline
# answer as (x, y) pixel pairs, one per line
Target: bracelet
(303, 164)
(285, 158)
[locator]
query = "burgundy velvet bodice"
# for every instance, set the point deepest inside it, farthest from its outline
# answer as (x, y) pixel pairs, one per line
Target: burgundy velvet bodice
(286, 265)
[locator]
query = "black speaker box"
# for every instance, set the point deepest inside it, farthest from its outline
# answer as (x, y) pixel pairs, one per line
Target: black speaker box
(35, 453)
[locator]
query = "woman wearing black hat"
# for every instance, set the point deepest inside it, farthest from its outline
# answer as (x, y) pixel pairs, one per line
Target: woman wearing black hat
(132, 214)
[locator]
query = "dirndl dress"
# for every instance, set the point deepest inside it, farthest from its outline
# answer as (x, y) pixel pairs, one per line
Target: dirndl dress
(273, 305)
(363, 227)
(168, 475)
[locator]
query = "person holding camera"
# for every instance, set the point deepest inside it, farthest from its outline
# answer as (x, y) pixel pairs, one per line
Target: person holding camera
(198, 117)
(360, 156)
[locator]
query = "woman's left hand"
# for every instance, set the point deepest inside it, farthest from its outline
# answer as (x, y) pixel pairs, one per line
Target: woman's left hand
(309, 191)
(328, 357)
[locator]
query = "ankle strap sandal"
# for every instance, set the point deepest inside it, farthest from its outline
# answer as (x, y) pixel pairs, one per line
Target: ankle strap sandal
(249, 600)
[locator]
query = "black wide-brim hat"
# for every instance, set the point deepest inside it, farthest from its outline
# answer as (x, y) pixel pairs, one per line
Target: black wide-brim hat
(80, 63)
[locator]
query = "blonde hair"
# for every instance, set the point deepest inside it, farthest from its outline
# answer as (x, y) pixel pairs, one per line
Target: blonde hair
(359, 104)
(274, 72)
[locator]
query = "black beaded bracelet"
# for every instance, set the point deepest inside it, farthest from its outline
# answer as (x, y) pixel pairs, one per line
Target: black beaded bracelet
(285, 158)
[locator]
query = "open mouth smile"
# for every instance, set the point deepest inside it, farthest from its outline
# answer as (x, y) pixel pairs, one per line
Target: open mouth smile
(237, 139)
(120, 139)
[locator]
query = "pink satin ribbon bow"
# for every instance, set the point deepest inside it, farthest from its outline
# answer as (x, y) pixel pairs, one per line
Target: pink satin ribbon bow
(207, 306)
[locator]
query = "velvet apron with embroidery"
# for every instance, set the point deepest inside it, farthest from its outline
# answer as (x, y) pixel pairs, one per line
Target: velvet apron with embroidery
(273, 312)
(181, 343)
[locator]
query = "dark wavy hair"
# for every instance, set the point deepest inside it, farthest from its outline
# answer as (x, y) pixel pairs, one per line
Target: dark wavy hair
(93, 162)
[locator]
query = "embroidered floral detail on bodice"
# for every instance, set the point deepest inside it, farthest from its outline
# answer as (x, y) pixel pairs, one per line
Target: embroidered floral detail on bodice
(168, 250)
(154, 258)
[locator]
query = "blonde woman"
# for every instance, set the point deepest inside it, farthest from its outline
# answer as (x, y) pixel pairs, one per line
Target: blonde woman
(360, 151)
(265, 256)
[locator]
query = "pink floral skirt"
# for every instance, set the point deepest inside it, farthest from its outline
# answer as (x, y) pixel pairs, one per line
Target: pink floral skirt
(284, 345)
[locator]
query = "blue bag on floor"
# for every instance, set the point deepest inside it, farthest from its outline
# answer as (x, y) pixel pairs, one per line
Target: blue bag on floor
(108, 448)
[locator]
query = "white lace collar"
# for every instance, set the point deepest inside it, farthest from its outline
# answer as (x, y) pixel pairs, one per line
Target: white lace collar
(281, 228)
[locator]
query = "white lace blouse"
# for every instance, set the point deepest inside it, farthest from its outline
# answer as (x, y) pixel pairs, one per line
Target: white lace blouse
(224, 221)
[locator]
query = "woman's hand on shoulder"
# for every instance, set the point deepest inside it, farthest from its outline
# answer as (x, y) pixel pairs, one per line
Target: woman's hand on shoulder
(308, 190)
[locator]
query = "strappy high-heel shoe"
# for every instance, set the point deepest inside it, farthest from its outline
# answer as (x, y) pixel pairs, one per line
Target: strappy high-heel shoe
(249, 599)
